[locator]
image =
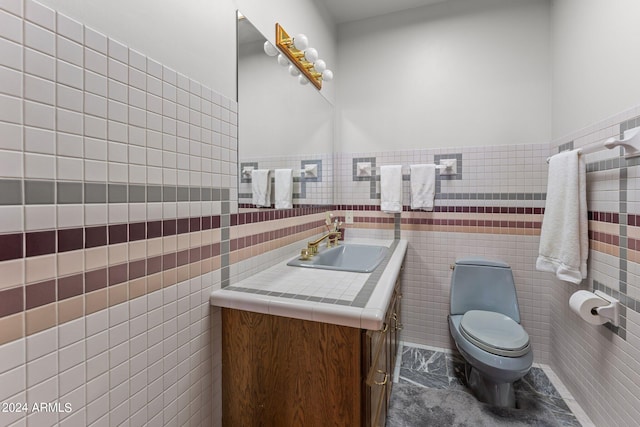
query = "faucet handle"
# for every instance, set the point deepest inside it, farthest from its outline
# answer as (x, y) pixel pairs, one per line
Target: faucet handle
(305, 254)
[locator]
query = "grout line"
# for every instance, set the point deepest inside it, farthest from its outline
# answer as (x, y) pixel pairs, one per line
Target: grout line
(566, 395)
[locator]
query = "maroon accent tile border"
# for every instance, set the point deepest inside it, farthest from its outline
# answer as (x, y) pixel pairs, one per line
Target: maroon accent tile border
(11, 301)
(633, 220)
(154, 229)
(20, 245)
(70, 239)
(38, 294)
(40, 243)
(70, 286)
(118, 234)
(470, 223)
(118, 274)
(610, 239)
(611, 217)
(95, 279)
(452, 209)
(272, 215)
(11, 246)
(256, 239)
(95, 236)
(137, 231)
(137, 269)
(154, 265)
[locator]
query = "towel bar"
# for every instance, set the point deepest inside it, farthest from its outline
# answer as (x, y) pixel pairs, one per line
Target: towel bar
(630, 142)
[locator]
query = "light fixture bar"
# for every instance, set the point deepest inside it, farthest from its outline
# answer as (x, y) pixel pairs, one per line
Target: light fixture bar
(285, 43)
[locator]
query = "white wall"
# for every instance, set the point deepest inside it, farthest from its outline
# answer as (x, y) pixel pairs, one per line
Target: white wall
(198, 37)
(595, 61)
(278, 117)
(303, 16)
(459, 73)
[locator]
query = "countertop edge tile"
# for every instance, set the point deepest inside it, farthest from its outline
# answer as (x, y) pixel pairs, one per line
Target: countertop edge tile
(369, 317)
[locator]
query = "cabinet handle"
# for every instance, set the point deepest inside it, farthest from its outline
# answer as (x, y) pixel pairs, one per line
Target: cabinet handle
(385, 327)
(384, 380)
(397, 325)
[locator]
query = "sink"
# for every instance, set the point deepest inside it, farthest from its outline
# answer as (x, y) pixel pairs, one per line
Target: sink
(346, 257)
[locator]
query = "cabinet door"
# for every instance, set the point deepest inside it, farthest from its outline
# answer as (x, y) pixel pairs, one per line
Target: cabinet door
(378, 376)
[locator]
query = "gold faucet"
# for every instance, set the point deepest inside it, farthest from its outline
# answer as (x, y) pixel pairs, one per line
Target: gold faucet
(312, 247)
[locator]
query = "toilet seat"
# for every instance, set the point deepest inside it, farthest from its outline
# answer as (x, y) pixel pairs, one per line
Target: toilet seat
(495, 333)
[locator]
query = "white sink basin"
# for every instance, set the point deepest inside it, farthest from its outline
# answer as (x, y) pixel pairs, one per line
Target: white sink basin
(346, 257)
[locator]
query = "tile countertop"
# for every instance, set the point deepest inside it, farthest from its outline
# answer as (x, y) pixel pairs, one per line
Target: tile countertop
(343, 298)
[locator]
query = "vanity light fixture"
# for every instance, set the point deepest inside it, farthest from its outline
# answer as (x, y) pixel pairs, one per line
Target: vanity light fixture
(303, 61)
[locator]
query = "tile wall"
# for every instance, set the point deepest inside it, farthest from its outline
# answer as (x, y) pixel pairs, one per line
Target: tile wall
(307, 190)
(117, 176)
(599, 364)
(492, 207)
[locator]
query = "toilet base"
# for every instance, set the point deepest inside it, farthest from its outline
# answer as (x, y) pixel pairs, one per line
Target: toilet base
(487, 391)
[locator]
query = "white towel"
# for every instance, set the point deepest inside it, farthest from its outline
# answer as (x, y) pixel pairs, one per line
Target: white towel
(564, 239)
(391, 189)
(284, 188)
(261, 187)
(423, 186)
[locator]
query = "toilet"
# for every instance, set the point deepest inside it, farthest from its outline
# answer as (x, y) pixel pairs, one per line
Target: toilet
(484, 320)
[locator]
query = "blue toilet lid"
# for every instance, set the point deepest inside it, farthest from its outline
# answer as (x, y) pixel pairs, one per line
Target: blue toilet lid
(495, 333)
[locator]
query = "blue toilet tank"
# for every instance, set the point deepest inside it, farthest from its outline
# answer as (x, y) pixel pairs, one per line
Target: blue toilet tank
(480, 284)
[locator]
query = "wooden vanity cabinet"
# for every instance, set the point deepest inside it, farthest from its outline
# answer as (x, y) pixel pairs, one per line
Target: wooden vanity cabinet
(279, 371)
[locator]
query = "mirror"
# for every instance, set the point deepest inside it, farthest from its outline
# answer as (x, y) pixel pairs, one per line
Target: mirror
(281, 124)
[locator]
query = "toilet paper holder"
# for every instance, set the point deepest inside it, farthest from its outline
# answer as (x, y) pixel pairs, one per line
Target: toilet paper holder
(611, 311)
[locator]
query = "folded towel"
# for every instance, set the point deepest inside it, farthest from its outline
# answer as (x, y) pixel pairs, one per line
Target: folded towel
(391, 189)
(564, 239)
(284, 188)
(261, 187)
(423, 186)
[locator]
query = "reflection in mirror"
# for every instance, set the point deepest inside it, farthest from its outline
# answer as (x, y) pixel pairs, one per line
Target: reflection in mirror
(281, 125)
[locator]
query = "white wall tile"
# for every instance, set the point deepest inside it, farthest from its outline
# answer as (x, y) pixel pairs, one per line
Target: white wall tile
(13, 382)
(70, 216)
(95, 83)
(10, 109)
(39, 166)
(69, 74)
(41, 344)
(39, 39)
(70, 169)
(69, 28)
(10, 27)
(95, 171)
(12, 355)
(117, 90)
(39, 115)
(12, 219)
(118, 172)
(40, 90)
(10, 82)
(137, 60)
(39, 140)
(39, 14)
(69, 98)
(95, 40)
(95, 214)
(42, 369)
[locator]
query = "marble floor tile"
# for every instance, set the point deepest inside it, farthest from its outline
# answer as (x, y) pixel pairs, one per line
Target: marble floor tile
(538, 403)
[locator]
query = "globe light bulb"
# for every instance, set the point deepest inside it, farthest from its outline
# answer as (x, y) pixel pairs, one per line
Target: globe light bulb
(311, 55)
(302, 80)
(301, 42)
(282, 60)
(320, 65)
(293, 70)
(327, 75)
(270, 49)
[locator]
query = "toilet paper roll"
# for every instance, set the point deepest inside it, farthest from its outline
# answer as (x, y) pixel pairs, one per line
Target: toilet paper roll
(583, 302)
